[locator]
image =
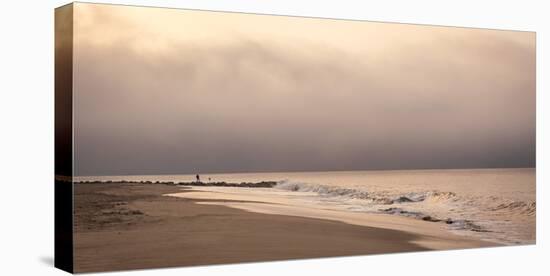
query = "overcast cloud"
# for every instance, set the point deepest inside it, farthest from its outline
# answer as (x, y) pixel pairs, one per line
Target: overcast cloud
(157, 92)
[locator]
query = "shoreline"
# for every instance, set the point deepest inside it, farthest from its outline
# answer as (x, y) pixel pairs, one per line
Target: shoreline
(432, 234)
(120, 226)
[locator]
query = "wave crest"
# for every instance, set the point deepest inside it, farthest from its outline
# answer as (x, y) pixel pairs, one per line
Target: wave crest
(435, 197)
(378, 198)
(521, 207)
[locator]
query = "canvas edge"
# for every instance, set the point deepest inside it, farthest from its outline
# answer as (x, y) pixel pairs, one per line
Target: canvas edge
(64, 236)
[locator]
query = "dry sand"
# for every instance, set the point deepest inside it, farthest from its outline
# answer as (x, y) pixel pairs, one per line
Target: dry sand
(133, 226)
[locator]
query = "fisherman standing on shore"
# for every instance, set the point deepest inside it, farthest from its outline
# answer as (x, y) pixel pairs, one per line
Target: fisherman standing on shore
(198, 178)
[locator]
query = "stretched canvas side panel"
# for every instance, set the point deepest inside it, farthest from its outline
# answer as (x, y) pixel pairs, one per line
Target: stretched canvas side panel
(63, 138)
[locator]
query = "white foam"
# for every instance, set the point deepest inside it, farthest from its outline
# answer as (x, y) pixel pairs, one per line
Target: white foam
(482, 216)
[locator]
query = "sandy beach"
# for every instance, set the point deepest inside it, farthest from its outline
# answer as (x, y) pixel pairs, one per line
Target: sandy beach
(122, 226)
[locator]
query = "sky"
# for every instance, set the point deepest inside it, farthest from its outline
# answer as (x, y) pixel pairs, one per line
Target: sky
(170, 91)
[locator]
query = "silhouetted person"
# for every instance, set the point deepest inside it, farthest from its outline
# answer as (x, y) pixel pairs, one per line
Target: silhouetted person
(198, 178)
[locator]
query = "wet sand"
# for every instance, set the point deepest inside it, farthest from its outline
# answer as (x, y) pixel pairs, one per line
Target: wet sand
(134, 226)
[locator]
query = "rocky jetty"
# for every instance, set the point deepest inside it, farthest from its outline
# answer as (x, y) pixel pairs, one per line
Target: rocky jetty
(262, 184)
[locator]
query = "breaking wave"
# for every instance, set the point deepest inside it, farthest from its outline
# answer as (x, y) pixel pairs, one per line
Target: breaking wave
(351, 193)
(451, 208)
(521, 207)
